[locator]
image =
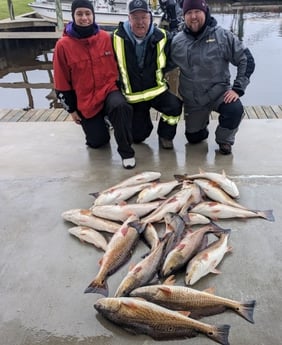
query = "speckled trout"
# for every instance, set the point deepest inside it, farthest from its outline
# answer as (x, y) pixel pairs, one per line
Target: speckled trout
(138, 316)
(199, 303)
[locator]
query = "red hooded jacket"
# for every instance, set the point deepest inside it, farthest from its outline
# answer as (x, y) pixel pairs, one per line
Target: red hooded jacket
(87, 69)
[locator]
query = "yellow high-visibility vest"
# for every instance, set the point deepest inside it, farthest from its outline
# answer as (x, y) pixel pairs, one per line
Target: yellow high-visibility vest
(145, 95)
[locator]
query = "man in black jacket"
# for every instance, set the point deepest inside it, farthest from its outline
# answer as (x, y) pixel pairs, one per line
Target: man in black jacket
(142, 51)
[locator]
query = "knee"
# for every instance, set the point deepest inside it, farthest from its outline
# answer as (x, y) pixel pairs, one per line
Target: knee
(97, 142)
(231, 115)
(196, 137)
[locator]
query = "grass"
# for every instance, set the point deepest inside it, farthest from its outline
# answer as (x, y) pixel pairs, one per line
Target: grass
(20, 7)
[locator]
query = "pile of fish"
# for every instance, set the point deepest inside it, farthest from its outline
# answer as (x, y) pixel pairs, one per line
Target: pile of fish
(176, 219)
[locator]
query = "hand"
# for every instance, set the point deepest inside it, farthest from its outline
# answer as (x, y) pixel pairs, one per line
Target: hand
(76, 118)
(230, 96)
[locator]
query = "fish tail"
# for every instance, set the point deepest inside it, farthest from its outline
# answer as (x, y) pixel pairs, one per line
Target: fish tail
(268, 215)
(98, 287)
(218, 230)
(95, 194)
(220, 334)
(139, 226)
(246, 310)
(180, 178)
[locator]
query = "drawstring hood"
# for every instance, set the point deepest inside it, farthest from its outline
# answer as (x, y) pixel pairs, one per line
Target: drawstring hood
(77, 31)
(140, 44)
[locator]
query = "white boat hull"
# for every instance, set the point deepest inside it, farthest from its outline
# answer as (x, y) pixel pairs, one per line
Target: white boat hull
(104, 16)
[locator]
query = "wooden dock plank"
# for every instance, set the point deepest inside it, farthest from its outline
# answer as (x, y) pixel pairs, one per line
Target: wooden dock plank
(59, 114)
(277, 110)
(260, 112)
(250, 112)
(269, 112)
(3, 113)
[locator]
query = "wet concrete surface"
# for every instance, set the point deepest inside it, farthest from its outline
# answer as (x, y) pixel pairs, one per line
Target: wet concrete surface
(46, 169)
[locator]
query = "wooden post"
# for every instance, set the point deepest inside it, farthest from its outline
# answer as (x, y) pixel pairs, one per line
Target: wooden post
(11, 9)
(60, 22)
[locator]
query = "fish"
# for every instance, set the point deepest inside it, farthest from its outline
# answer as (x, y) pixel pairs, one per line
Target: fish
(143, 317)
(172, 204)
(144, 271)
(187, 248)
(84, 217)
(197, 219)
(151, 236)
(122, 212)
(199, 303)
(117, 195)
(119, 251)
(221, 179)
(215, 193)
(89, 235)
(156, 190)
(143, 177)
(175, 225)
(216, 210)
(208, 259)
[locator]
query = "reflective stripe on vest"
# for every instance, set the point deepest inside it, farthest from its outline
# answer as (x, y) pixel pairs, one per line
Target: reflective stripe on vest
(145, 95)
(171, 120)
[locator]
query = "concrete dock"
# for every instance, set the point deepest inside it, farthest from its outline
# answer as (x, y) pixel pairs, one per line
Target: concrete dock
(45, 169)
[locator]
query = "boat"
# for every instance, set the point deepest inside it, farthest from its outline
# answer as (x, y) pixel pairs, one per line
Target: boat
(108, 13)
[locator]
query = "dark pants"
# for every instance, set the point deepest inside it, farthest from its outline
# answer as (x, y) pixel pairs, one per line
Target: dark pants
(142, 126)
(119, 113)
(230, 116)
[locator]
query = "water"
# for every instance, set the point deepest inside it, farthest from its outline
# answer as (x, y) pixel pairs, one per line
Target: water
(26, 73)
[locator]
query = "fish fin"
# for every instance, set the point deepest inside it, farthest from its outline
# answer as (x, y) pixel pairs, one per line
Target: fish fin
(95, 194)
(184, 312)
(210, 290)
(229, 249)
(220, 334)
(223, 173)
(268, 215)
(246, 310)
(201, 171)
(86, 212)
(139, 226)
(179, 178)
(165, 290)
(131, 267)
(122, 203)
(97, 287)
(137, 269)
(170, 280)
(215, 271)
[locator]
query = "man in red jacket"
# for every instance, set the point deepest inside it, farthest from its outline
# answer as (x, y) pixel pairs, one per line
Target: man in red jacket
(85, 78)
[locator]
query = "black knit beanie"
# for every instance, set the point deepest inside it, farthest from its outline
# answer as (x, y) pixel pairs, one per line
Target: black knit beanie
(81, 3)
(194, 5)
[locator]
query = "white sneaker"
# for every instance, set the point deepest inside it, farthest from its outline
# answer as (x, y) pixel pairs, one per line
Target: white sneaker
(129, 163)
